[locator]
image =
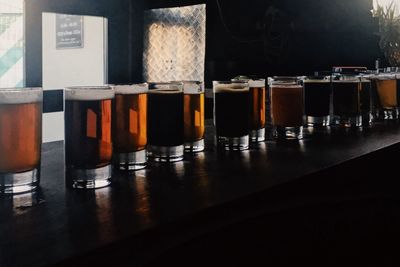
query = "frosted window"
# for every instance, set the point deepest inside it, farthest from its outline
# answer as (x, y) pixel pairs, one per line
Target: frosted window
(174, 43)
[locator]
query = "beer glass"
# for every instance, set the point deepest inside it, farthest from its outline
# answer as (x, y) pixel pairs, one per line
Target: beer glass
(366, 100)
(386, 96)
(165, 122)
(88, 140)
(317, 100)
(287, 107)
(129, 122)
(257, 110)
(194, 127)
(20, 139)
(346, 101)
(231, 114)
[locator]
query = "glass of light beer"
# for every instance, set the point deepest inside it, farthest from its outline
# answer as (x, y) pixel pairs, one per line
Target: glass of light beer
(88, 140)
(231, 114)
(386, 96)
(129, 122)
(257, 110)
(287, 107)
(165, 122)
(20, 139)
(194, 127)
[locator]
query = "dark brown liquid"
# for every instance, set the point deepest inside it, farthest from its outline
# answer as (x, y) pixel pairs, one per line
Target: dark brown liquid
(165, 119)
(257, 108)
(88, 143)
(20, 137)
(346, 99)
(287, 106)
(231, 113)
(317, 98)
(129, 123)
(194, 117)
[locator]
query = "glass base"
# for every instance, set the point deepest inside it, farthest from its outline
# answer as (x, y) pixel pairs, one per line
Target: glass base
(16, 183)
(390, 114)
(367, 119)
(130, 161)
(257, 136)
(165, 153)
(233, 143)
(289, 133)
(318, 121)
(193, 147)
(348, 122)
(90, 178)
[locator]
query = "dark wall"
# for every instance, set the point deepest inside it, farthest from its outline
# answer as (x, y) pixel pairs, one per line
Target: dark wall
(125, 20)
(285, 37)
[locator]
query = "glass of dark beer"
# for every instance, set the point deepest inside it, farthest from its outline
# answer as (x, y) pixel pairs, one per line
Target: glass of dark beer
(88, 138)
(366, 100)
(165, 122)
(346, 101)
(317, 100)
(20, 139)
(130, 126)
(231, 114)
(287, 107)
(194, 127)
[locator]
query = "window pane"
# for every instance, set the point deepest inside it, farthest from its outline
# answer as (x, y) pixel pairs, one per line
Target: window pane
(11, 43)
(174, 43)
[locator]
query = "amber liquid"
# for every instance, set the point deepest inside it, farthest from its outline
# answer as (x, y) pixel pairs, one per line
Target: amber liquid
(387, 92)
(194, 117)
(20, 137)
(88, 143)
(129, 123)
(257, 108)
(287, 106)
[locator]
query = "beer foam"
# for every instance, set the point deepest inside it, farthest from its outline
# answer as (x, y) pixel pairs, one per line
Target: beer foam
(165, 91)
(131, 89)
(346, 81)
(317, 81)
(20, 95)
(231, 87)
(287, 85)
(88, 93)
(256, 83)
(193, 87)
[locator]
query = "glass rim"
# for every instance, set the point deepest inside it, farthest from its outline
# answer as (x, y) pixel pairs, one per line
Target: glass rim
(230, 82)
(76, 88)
(128, 89)
(21, 89)
(21, 95)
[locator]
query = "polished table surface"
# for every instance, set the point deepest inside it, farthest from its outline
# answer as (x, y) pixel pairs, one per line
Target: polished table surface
(145, 212)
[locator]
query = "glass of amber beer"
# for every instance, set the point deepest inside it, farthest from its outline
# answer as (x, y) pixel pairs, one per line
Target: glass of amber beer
(20, 139)
(257, 110)
(165, 122)
(231, 114)
(130, 126)
(194, 127)
(88, 140)
(287, 107)
(386, 96)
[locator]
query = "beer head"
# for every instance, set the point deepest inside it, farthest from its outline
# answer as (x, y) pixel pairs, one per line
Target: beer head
(131, 89)
(316, 79)
(259, 83)
(191, 87)
(89, 93)
(230, 87)
(166, 88)
(20, 95)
